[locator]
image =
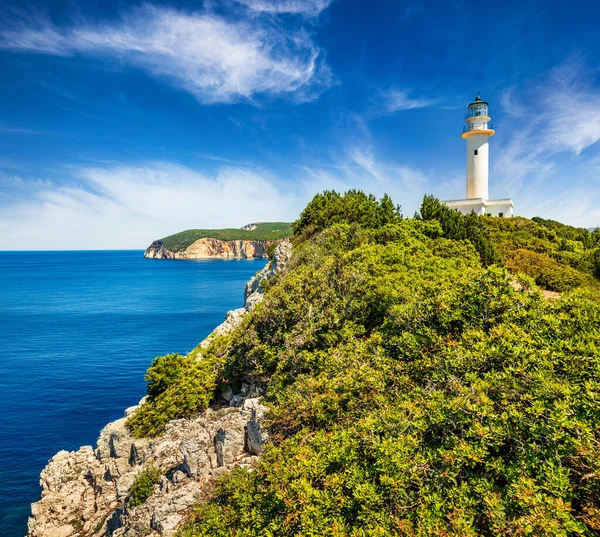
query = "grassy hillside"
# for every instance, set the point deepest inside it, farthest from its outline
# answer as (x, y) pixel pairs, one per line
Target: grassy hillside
(418, 381)
(264, 231)
(556, 256)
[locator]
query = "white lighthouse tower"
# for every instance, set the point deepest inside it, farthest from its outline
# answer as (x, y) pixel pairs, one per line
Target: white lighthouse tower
(477, 132)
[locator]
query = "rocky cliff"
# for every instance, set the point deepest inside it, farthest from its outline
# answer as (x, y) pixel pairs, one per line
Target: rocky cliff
(211, 248)
(85, 492)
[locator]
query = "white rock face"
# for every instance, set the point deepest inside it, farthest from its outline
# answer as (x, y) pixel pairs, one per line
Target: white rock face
(84, 492)
(211, 248)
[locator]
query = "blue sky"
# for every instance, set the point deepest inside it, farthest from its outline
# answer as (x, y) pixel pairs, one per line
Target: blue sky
(122, 122)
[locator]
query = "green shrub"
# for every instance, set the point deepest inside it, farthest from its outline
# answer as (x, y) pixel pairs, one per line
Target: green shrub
(413, 390)
(354, 207)
(596, 262)
(570, 233)
(546, 272)
(270, 250)
(457, 226)
(179, 387)
(143, 486)
(164, 372)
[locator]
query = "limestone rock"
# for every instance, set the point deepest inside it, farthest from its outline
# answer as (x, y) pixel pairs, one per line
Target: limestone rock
(84, 493)
(209, 248)
(254, 290)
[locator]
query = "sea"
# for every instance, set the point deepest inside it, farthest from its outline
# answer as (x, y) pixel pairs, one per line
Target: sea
(77, 332)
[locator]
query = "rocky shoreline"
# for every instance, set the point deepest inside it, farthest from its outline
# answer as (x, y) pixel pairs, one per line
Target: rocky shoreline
(208, 248)
(84, 492)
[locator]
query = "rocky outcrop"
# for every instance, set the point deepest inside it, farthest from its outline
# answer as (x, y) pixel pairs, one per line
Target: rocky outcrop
(85, 492)
(210, 249)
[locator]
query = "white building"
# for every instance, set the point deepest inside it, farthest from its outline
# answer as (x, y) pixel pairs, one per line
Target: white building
(477, 133)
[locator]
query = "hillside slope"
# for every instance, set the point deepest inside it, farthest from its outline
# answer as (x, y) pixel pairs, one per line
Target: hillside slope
(410, 378)
(413, 390)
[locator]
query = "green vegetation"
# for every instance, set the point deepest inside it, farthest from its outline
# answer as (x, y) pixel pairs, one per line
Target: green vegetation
(265, 231)
(178, 387)
(419, 384)
(143, 486)
(457, 226)
(354, 207)
(558, 257)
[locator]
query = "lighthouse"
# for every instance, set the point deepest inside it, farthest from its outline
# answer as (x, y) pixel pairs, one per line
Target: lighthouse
(477, 132)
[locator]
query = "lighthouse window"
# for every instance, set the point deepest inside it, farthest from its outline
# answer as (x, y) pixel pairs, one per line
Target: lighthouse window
(475, 151)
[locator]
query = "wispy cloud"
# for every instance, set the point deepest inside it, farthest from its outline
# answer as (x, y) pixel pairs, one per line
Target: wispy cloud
(10, 164)
(558, 117)
(572, 109)
(395, 100)
(546, 160)
(218, 60)
(306, 8)
(19, 130)
(124, 206)
(129, 206)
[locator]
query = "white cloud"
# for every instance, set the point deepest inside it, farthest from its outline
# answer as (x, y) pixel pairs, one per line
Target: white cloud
(213, 58)
(117, 206)
(570, 120)
(392, 101)
(560, 115)
(545, 159)
(128, 207)
(306, 8)
(19, 130)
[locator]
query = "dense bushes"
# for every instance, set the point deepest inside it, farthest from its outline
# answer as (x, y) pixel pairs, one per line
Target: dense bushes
(568, 246)
(546, 272)
(590, 239)
(354, 207)
(179, 386)
(461, 227)
(596, 263)
(414, 392)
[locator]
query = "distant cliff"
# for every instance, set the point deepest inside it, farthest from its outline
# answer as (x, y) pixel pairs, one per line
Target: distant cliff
(211, 248)
(250, 241)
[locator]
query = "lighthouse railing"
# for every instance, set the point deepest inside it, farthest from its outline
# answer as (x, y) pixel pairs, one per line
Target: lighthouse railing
(477, 127)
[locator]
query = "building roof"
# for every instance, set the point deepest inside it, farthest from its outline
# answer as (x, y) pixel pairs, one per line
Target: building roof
(478, 100)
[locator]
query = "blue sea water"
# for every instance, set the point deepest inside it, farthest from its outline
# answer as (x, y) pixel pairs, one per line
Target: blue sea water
(77, 332)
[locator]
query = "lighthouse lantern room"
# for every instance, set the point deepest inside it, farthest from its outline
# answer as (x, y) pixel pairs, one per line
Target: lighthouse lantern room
(477, 132)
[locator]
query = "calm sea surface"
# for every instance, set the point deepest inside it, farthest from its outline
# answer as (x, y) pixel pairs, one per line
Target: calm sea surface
(77, 332)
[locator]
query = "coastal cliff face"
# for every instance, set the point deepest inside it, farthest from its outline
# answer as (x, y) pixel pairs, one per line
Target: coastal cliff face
(85, 493)
(211, 248)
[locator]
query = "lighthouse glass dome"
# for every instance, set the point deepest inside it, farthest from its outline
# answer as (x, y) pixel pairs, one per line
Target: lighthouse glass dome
(477, 108)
